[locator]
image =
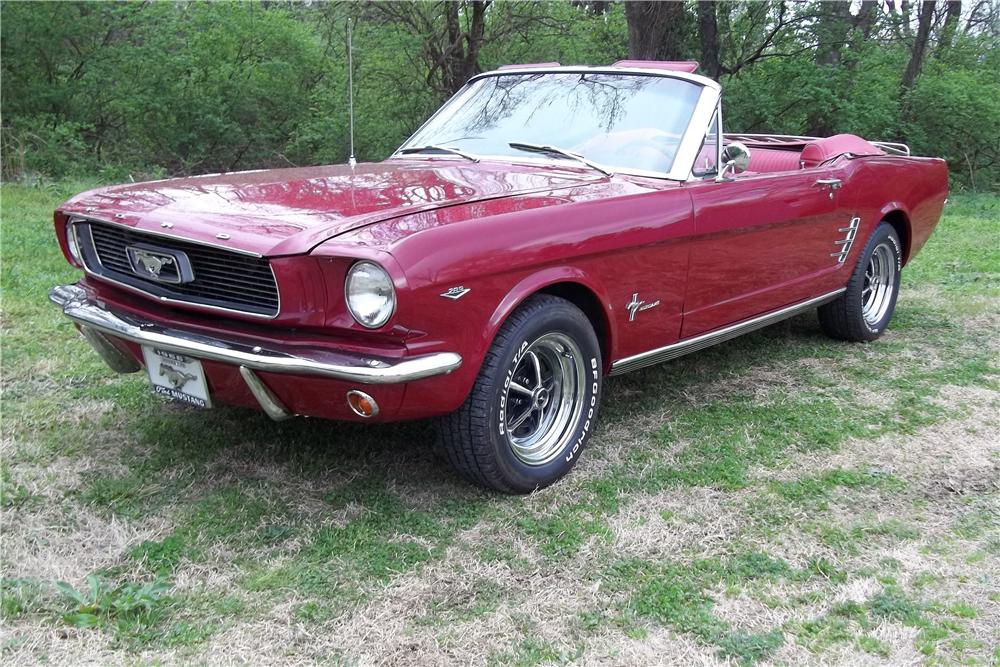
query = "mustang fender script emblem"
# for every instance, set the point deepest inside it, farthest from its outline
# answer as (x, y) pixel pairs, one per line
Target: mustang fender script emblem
(165, 266)
(636, 306)
(456, 292)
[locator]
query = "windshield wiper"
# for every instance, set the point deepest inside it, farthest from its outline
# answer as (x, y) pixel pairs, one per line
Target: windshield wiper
(555, 150)
(442, 149)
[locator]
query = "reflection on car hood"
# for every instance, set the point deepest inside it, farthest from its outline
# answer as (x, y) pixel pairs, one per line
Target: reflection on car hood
(289, 211)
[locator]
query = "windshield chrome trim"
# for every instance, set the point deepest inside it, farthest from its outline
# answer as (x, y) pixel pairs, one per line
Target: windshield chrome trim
(718, 148)
(701, 119)
(604, 69)
(718, 138)
(687, 151)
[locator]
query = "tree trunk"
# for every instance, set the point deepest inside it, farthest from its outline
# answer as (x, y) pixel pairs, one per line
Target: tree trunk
(452, 50)
(831, 31)
(708, 38)
(950, 26)
(461, 56)
(864, 22)
(477, 28)
(919, 48)
(904, 11)
(655, 30)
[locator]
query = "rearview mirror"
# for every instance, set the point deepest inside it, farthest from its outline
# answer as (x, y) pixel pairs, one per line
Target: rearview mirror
(735, 159)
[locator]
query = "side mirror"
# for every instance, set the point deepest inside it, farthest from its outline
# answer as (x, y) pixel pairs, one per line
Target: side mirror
(735, 159)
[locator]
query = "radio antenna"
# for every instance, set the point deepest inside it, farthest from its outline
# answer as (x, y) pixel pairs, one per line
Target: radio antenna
(350, 91)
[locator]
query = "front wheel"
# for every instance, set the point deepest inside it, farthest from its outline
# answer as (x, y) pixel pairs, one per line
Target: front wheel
(863, 311)
(533, 406)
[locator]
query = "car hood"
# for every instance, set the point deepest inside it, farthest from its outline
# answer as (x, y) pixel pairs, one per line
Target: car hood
(289, 211)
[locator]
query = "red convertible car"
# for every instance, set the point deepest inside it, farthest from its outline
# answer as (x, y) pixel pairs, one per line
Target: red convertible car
(548, 227)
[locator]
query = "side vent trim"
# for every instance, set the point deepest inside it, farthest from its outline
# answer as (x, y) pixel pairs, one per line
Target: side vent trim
(851, 232)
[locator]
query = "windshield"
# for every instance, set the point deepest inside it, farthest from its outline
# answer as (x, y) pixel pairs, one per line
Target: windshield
(622, 121)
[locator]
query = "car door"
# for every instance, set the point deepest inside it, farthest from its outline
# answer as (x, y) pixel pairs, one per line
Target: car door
(762, 241)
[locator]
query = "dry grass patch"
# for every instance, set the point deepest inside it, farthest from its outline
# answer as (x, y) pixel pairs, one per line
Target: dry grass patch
(31, 643)
(68, 541)
(729, 505)
(896, 645)
(966, 445)
(460, 609)
(659, 647)
(680, 524)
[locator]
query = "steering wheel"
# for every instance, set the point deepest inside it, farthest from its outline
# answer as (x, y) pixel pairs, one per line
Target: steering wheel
(664, 143)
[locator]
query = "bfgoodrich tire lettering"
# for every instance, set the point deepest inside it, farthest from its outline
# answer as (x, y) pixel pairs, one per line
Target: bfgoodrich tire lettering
(863, 311)
(535, 402)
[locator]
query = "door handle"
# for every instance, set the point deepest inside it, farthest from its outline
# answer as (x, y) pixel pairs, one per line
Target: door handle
(834, 183)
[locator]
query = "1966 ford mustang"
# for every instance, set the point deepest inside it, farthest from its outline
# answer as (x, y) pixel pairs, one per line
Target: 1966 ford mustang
(550, 226)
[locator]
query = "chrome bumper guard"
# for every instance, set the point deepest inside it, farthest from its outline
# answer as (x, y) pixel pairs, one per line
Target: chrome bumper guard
(98, 321)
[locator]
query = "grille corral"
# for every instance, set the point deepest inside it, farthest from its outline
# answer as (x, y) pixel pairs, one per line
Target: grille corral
(222, 278)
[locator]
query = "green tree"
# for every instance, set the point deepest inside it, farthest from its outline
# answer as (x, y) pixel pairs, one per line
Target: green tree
(146, 88)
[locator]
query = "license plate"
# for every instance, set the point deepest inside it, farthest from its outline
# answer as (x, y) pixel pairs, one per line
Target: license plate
(177, 376)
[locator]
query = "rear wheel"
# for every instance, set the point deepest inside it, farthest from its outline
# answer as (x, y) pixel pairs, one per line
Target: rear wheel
(863, 311)
(533, 406)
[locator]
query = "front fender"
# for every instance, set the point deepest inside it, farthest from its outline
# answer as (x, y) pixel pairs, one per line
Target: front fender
(547, 278)
(470, 324)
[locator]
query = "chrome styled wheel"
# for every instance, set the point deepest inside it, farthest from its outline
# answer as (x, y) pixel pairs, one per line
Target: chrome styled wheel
(862, 312)
(534, 404)
(879, 285)
(543, 401)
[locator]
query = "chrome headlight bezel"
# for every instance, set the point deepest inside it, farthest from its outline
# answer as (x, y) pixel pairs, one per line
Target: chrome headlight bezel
(380, 287)
(73, 243)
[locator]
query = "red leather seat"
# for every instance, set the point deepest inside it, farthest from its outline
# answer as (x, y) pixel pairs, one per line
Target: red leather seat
(770, 159)
(823, 150)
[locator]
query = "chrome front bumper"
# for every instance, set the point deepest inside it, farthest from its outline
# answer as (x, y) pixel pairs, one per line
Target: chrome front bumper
(97, 321)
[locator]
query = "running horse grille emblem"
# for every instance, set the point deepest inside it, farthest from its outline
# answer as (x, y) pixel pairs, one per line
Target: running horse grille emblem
(161, 265)
(152, 263)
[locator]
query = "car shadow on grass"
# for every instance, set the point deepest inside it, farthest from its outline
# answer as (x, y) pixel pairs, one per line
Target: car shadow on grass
(168, 434)
(165, 435)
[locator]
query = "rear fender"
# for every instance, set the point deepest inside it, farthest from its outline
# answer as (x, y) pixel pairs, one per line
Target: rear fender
(899, 216)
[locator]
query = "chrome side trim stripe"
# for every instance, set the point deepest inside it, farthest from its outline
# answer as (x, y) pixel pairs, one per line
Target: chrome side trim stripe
(683, 347)
(269, 403)
(77, 306)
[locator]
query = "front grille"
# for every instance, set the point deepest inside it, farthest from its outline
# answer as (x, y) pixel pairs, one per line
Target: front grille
(221, 278)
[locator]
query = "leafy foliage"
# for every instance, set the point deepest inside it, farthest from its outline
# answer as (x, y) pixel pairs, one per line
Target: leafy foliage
(149, 89)
(101, 602)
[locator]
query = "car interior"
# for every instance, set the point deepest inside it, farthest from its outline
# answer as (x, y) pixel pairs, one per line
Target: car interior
(791, 156)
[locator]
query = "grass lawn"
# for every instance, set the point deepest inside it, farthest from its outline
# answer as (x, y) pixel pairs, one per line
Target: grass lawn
(781, 498)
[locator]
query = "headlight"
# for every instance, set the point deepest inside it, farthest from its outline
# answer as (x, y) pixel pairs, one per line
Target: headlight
(371, 297)
(71, 243)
